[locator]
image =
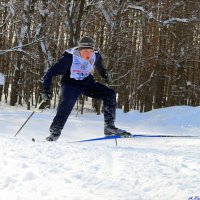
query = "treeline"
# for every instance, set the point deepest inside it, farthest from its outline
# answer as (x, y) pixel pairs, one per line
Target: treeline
(151, 47)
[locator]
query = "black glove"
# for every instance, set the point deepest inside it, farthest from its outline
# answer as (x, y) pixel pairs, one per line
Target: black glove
(108, 78)
(46, 94)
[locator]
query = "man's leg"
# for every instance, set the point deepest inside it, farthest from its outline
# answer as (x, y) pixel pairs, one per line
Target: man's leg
(108, 95)
(102, 92)
(68, 97)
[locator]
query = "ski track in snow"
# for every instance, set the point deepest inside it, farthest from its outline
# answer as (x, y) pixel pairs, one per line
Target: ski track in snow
(137, 169)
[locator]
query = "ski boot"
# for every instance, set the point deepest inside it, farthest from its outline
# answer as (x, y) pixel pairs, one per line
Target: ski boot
(112, 130)
(52, 137)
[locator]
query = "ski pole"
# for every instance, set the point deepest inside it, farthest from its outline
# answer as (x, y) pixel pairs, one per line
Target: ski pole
(29, 117)
(116, 141)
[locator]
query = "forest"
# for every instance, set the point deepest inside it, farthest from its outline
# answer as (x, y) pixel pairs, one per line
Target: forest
(150, 47)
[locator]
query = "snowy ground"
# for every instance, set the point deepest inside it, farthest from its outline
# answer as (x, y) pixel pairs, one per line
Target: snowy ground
(137, 169)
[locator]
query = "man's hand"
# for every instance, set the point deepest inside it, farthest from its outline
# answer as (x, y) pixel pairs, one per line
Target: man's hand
(46, 94)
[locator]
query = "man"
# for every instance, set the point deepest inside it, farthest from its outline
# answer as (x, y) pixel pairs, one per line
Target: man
(76, 67)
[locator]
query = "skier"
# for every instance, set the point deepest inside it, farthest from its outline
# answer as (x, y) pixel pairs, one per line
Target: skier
(76, 67)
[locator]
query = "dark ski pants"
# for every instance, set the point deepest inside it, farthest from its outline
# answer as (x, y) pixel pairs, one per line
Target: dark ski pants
(70, 93)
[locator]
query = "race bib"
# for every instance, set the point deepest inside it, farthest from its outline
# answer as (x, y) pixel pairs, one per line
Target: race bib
(81, 68)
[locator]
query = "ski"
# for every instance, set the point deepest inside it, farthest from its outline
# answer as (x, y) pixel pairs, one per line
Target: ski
(134, 136)
(115, 137)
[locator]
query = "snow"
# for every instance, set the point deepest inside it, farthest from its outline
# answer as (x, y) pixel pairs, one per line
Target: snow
(12, 9)
(140, 8)
(137, 169)
(105, 14)
(172, 20)
(2, 79)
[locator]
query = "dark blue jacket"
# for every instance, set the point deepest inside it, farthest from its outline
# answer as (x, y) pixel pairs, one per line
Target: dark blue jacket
(62, 67)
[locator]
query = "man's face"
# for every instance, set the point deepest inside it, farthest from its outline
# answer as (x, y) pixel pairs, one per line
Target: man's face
(86, 53)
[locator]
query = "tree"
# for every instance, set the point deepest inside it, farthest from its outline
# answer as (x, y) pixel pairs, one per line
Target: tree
(150, 47)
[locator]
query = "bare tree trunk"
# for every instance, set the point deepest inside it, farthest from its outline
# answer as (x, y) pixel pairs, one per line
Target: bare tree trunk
(75, 11)
(21, 36)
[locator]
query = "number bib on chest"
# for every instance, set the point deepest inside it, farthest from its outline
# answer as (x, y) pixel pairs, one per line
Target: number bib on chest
(81, 68)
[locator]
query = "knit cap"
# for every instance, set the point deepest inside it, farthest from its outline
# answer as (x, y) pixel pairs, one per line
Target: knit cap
(86, 42)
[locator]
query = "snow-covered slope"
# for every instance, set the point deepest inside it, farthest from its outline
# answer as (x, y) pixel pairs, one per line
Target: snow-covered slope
(137, 169)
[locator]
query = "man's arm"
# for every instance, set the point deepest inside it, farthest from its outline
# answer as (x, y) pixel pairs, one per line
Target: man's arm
(57, 69)
(99, 65)
(101, 69)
